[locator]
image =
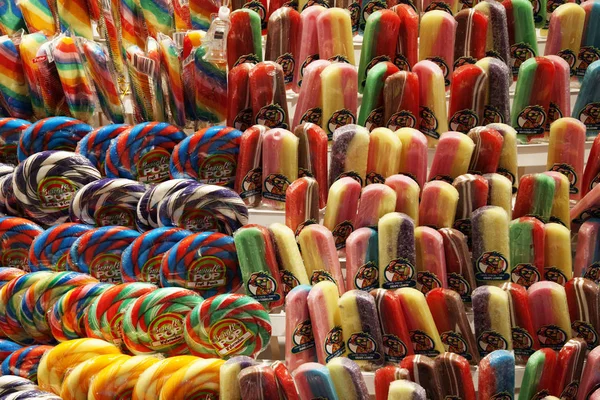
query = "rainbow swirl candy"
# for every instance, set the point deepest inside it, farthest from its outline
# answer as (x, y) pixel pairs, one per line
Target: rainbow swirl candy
(154, 322)
(66, 318)
(140, 262)
(181, 15)
(49, 250)
(142, 153)
(191, 40)
(211, 88)
(118, 379)
(208, 327)
(200, 379)
(53, 95)
(111, 23)
(94, 145)
(6, 349)
(38, 16)
(208, 156)
(205, 262)
(14, 92)
(172, 75)
(151, 381)
(30, 44)
(74, 16)
(204, 208)
(11, 130)
(142, 72)
(158, 15)
(14, 384)
(133, 26)
(8, 201)
(24, 362)
(201, 12)
(45, 183)
(8, 274)
(98, 252)
(105, 315)
(16, 236)
(57, 362)
(147, 208)
(77, 382)
(11, 18)
(107, 202)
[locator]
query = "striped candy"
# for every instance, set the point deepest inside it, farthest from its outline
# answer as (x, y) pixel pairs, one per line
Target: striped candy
(8, 201)
(169, 53)
(14, 92)
(16, 236)
(7, 274)
(152, 380)
(74, 16)
(77, 382)
(158, 15)
(7, 348)
(11, 130)
(28, 48)
(199, 380)
(11, 18)
(49, 250)
(94, 145)
(53, 94)
(24, 362)
(6, 169)
(211, 88)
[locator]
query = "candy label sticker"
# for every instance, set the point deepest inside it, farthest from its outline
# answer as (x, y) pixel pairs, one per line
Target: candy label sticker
(312, 115)
(374, 61)
(341, 233)
(491, 115)
(554, 113)
(439, 5)
(107, 268)
(228, 336)
(394, 348)
(490, 341)
(115, 325)
(55, 193)
(288, 64)
(354, 9)
(502, 396)
(350, 174)
(262, 287)
(303, 225)
(369, 9)
(243, 120)
(374, 177)
(464, 225)
(339, 58)
(494, 54)
(555, 275)
(590, 116)
(520, 52)
(321, 3)
(367, 277)
(594, 182)
(334, 344)
(427, 281)
(303, 337)
(166, 330)
(402, 119)
(362, 346)
(8, 154)
(454, 343)
(552, 336)
(587, 214)
(320, 276)
(541, 395)
(339, 118)
(247, 58)
(16, 258)
(570, 58)
(206, 272)
(218, 169)
(399, 273)
(522, 342)
(463, 121)
(153, 167)
(308, 60)
(275, 186)
(252, 183)
(402, 63)
(525, 274)
(423, 344)
(428, 124)
(289, 281)
(150, 271)
(259, 8)
(587, 55)
(570, 391)
(491, 266)
(464, 61)
(460, 285)
(198, 220)
(438, 60)
(568, 171)
(271, 116)
(531, 121)
(114, 216)
(585, 330)
(375, 119)
(203, 395)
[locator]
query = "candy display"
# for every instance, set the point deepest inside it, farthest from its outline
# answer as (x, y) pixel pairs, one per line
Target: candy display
(147, 207)
(119, 378)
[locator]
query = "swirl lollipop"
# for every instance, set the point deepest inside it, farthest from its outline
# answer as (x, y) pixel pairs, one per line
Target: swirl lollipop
(228, 325)
(45, 183)
(98, 252)
(78, 380)
(6, 169)
(49, 250)
(7, 274)
(204, 208)
(13, 384)
(151, 381)
(11, 130)
(118, 379)
(66, 318)
(205, 262)
(154, 322)
(8, 201)
(94, 145)
(16, 236)
(200, 379)
(34, 394)
(24, 362)
(107, 202)
(143, 152)
(54, 133)
(7, 348)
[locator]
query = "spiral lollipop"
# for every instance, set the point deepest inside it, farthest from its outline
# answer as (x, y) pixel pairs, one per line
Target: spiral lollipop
(34, 394)
(209, 156)
(204, 208)
(6, 169)
(198, 380)
(94, 145)
(7, 348)
(154, 322)
(147, 208)
(107, 202)
(16, 236)
(45, 183)
(11, 130)
(66, 318)
(140, 262)
(49, 250)
(13, 384)
(14, 90)
(105, 315)
(143, 152)
(7, 274)
(54, 133)
(98, 252)
(209, 327)
(8, 201)
(77, 382)
(118, 379)
(24, 362)
(151, 381)
(205, 262)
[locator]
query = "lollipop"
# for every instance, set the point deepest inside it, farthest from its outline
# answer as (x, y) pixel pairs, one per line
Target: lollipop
(200, 379)
(205, 262)
(54, 133)
(98, 252)
(78, 380)
(154, 322)
(14, 384)
(94, 145)
(24, 362)
(209, 156)
(228, 325)
(8, 201)
(14, 91)
(16, 236)
(107, 202)
(66, 318)
(151, 381)
(204, 208)
(6, 169)
(49, 250)
(140, 262)
(57, 362)
(45, 183)
(7, 348)
(142, 153)
(33, 394)
(8, 274)
(11, 19)
(11, 130)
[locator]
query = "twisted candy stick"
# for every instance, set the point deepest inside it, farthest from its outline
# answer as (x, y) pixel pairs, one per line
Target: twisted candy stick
(11, 130)
(118, 379)
(141, 79)
(151, 381)
(197, 380)
(160, 107)
(6, 169)
(11, 18)
(14, 92)
(110, 24)
(7, 274)
(49, 250)
(77, 382)
(24, 362)
(147, 208)
(74, 16)
(133, 26)
(7, 348)
(38, 16)
(171, 63)
(16, 236)
(55, 102)
(211, 87)
(30, 44)
(158, 15)
(94, 145)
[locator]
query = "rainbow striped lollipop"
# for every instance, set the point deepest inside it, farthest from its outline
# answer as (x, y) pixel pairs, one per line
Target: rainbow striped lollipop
(205, 262)
(11, 130)
(6, 169)
(158, 15)
(28, 48)
(11, 18)
(8, 201)
(154, 323)
(98, 252)
(209, 156)
(143, 152)
(24, 362)
(8, 274)
(53, 94)
(49, 250)
(107, 202)
(94, 145)
(74, 16)
(16, 236)
(45, 183)
(228, 325)
(7, 348)
(169, 53)
(54, 133)
(14, 92)
(140, 262)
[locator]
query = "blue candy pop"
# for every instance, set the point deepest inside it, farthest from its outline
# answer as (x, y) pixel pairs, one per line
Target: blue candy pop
(11, 130)
(49, 250)
(587, 106)
(95, 144)
(497, 375)
(314, 382)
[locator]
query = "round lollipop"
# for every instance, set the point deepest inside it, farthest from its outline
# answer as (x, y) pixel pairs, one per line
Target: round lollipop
(54, 133)
(209, 156)
(6, 169)
(205, 262)
(14, 384)
(16, 236)
(94, 145)
(32, 395)
(140, 262)
(24, 362)
(107, 202)
(228, 325)
(142, 153)
(49, 250)
(7, 274)
(11, 130)
(198, 380)
(45, 183)
(118, 379)
(7, 348)
(77, 382)
(204, 208)
(8, 201)
(98, 252)
(147, 208)
(151, 381)
(154, 322)
(66, 319)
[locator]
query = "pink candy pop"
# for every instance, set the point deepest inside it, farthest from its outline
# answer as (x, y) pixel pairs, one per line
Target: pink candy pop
(300, 341)
(432, 97)
(376, 200)
(308, 44)
(591, 174)
(340, 213)
(566, 151)
(278, 172)
(565, 32)
(438, 32)
(550, 314)
(335, 35)
(452, 157)
(309, 107)
(438, 205)
(362, 255)
(407, 195)
(413, 158)
(431, 260)
(587, 255)
(320, 256)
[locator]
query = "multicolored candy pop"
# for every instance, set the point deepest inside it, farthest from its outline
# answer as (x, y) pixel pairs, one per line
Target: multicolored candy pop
(287, 252)
(362, 260)
(334, 28)
(376, 201)
(421, 370)
(535, 197)
(320, 255)
(558, 258)
(565, 33)
(300, 339)
(521, 32)
(372, 109)
(496, 107)
(258, 382)
(248, 175)
(459, 268)
(269, 104)
(397, 258)
(401, 101)
(472, 33)
(339, 96)
(14, 90)
(492, 320)
(24, 362)
(49, 250)
(452, 157)
(283, 34)
(539, 378)
(454, 375)
(239, 101)
(439, 202)
(310, 107)
(590, 40)
(560, 99)
(147, 208)
(278, 172)
(490, 234)
(582, 296)
(348, 158)
(587, 254)
(497, 42)
(527, 249)
(472, 194)
(566, 150)
(94, 145)
(312, 156)
(438, 32)
(385, 376)
(407, 195)
(497, 374)
(550, 314)
(31, 43)
(313, 381)
(525, 341)
(302, 204)
(326, 321)
(432, 101)
(591, 174)
(467, 98)
(394, 329)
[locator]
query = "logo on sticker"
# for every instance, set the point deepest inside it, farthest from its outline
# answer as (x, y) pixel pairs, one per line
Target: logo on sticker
(590, 116)
(207, 272)
(289, 281)
(340, 118)
(228, 336)
(428, 124)
(334, 343)
(568, 171)
(402, 119)
(454, 343)
(341, 233)
(153, 167)
(107, 268)
(395, 350)
(491, 266)
(440, 61)
(522, 341)
(491, 115)
(271, 116)
(463, 121)
(114, 216)
(321, 276)
(423, 343)
(303, 337)
(166, 330)
(196, 220)
(243, 120)
(399, 273)
(587, 56)
(263, 287)
(56, 193)
(490, 341)
(367, 277)
(16, 258)
(275, 186)
(288, 64)
(313, 116)
(525, 275)
(520, 53)
(362, 346)
(427, 281)
(586, 331)
(252, 183)
(459, 284)
(151, 270)
(552, 336)
(218, 169)
(554, 274)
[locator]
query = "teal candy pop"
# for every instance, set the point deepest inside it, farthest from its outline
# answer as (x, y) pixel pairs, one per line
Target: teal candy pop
(587, 106)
